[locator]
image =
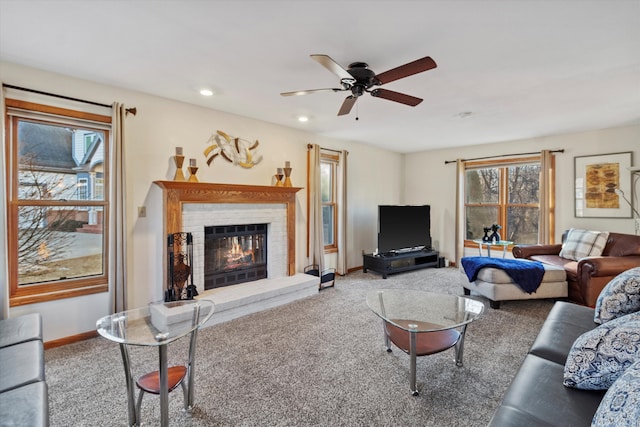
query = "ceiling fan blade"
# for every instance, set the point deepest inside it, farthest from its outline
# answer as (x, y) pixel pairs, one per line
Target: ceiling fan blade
(406, 70)
(396, 96)
(347, 105)
(333, 66)
(309, 91)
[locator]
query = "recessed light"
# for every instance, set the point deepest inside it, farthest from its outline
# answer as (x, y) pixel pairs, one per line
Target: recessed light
(303, 119)
(206, 92)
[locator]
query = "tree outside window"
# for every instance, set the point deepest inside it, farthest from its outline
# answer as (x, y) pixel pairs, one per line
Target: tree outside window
(57, 207)
(505, 194)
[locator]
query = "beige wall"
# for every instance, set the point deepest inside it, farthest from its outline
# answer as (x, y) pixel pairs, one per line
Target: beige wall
(375, 177)
(152, 136)
(429, 181)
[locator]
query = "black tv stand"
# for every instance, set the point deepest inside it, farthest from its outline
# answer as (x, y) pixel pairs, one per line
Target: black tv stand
(396, 262)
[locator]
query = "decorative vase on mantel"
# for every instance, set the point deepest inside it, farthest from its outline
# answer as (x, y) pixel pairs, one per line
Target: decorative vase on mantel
(179, 175)
(287, 174)
(278, 176)
(192, 170)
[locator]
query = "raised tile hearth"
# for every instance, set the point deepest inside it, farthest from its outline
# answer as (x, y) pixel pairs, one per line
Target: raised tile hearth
(235, 301)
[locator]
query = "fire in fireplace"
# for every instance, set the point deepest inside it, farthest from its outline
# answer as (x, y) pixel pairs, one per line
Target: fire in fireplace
(234, 254)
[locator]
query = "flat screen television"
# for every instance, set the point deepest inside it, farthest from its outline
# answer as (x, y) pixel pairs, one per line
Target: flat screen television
(403, 228)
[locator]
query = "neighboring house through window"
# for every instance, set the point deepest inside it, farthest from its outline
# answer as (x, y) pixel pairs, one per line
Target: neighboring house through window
(83, 189)
(57, 173)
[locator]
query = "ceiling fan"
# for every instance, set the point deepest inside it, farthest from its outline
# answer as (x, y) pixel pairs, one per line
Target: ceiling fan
(358, 79)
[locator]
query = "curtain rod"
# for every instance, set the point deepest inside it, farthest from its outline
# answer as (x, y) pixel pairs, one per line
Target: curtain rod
(446, 162)
(310, 146)
(39, 92)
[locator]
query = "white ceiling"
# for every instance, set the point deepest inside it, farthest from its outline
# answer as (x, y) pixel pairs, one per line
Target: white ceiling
(522, 68)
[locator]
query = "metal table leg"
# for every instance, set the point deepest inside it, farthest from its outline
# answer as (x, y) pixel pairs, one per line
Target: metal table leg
(412, 363)
(460, 346)
(188, 401)
(164, 388)
(384, 323)
(126, 362)
(387, 343)
(131, 401)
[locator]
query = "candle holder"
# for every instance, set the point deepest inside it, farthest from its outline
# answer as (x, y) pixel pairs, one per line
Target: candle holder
(279, 177)
(192, 171)
(287, 179)
(179, 175)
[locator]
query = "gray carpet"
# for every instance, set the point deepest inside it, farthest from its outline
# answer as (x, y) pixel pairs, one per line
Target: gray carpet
(316, 362)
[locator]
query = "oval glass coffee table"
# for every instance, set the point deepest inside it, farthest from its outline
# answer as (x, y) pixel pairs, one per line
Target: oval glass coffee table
(423, 323)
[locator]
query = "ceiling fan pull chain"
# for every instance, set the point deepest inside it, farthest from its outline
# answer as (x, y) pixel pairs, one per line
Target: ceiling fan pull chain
(357, 111)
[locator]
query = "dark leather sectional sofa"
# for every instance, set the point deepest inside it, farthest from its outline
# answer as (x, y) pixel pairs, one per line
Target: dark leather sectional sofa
(24, 397)
(536, 396)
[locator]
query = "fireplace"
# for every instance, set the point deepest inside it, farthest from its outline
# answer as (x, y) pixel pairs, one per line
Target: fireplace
(234, 254)
(189, 207)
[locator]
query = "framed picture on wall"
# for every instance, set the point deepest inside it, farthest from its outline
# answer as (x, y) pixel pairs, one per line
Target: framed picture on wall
(603, 186)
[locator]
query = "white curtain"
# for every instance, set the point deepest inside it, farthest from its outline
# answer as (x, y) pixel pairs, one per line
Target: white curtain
(547, 202)
(342, 212)
(117, 219)
(316, 235)
(4, 261)
(460, 212)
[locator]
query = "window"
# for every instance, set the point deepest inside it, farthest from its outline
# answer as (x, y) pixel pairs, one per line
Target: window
(57, 208)
(88, 140)
(328, 170)
(504, 193)
(99, 187)
(83, 189)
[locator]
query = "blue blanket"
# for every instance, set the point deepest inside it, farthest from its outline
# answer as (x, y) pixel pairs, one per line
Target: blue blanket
(526, 274)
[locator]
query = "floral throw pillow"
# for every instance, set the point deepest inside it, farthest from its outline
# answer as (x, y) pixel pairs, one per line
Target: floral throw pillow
(621, 296)
(598, 357)
(583, 243)
(620, 405)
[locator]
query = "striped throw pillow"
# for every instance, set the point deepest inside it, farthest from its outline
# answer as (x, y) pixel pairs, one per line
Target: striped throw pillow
(583, 243)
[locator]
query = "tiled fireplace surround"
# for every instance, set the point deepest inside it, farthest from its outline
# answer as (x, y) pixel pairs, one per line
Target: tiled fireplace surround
(189, 207)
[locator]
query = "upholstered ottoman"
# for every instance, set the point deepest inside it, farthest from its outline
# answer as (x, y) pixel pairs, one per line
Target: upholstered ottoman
(497, 286)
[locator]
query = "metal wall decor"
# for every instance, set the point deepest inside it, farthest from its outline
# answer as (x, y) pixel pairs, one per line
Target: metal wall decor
(238, 151)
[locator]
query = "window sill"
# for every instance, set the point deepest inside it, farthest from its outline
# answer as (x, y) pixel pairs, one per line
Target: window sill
(16, 301)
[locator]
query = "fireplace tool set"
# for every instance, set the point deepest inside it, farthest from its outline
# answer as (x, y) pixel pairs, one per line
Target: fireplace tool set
(180, 254)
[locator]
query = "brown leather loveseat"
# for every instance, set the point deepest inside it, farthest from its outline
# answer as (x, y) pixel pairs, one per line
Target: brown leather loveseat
(588, 276)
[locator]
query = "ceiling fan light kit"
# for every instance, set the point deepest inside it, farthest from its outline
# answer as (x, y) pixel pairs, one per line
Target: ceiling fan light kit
(358, 78)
